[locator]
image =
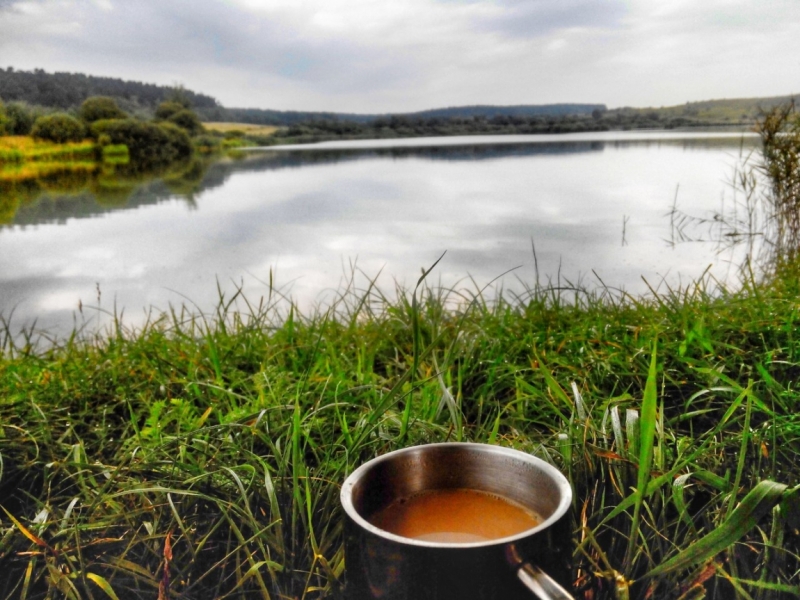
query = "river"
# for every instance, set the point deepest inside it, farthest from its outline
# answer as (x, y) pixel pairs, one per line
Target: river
(586, 210)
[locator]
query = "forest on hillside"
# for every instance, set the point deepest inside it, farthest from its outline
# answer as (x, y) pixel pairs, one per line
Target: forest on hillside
(259, 116)
(66, 91)
(69, 90)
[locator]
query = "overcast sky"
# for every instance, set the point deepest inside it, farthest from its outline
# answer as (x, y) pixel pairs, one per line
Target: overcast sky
(406, 55)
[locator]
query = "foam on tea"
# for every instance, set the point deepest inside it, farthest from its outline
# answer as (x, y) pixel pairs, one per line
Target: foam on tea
(456, 515)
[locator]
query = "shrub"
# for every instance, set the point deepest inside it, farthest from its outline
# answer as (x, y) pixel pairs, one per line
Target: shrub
(147, 143)
(58, 127)
(3, 119)
(166, 109)
(19, 119)
(207, 143)
(178, 139)
(188, 121)
(235, 143)
(98, 108)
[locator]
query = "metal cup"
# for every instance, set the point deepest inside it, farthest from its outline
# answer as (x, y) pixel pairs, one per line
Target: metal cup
(381, 565)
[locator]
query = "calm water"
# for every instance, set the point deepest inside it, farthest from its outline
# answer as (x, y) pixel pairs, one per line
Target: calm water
(589, 203)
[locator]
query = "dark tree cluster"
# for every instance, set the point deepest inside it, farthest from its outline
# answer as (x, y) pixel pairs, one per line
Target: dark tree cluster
(257, 116)
(69, 90)
(164, 140)
(411, 126)
(523, 110)
(59, 128)
(148, 143)
(16, 118)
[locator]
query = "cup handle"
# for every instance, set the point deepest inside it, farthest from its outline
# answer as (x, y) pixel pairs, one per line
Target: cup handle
(536, 580)
(541, 584)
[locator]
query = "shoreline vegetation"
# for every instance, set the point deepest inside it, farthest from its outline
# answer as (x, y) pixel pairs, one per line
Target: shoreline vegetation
(230, 432)
(201, 455)
(68, 132)
(310, 132)
(103, 150)
(37, 94)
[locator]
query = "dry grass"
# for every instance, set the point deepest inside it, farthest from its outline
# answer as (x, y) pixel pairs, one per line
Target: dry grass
(20, 149)
(28, 144)
(247, 128)
(35, 170)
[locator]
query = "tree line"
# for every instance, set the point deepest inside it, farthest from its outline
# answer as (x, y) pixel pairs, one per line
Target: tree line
(69, 90)
(258, 116)
(417, 126)
(411, 126)
(172, 134)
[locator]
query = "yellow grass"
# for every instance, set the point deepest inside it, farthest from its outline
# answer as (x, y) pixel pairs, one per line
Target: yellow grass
(35, 170)
(247, 128)
(21, 149)
(26, 144)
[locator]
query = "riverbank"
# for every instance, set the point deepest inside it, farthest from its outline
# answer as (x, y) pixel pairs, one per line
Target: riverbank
(15, 150)
(403, 128)
(204, 453)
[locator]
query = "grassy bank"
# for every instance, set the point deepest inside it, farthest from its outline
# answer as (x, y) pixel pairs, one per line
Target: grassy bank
(22, 149)
(241, 128)
(202, 455)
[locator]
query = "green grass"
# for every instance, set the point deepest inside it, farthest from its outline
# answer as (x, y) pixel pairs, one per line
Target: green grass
(205, 452)
(200, 456)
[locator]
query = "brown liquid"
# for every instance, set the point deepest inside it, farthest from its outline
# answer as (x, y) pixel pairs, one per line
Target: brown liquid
(454, 516)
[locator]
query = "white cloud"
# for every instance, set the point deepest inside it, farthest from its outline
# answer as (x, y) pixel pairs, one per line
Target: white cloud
(397, 55)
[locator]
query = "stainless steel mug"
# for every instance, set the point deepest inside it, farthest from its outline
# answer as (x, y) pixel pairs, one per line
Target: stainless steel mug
(385, 566)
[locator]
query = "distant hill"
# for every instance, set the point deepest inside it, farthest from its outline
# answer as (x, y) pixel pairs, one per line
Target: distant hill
(68, 90)
(261, 116)
(733, 110)
(257, 116)
(522, 110)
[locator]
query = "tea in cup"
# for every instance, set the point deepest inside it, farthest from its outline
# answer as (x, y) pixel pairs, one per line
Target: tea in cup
(457, 520)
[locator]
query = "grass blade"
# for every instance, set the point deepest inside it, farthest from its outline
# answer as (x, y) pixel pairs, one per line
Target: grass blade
(758, 502)
(103, 585)
(647, 431)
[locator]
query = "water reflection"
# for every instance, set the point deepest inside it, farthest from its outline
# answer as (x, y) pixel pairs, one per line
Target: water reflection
(162, 238)
(77, 190)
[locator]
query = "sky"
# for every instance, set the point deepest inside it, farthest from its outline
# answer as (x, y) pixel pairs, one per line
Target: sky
(382, 56)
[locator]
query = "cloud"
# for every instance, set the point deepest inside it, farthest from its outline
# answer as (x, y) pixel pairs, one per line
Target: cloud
(530, 19)
(402, 55)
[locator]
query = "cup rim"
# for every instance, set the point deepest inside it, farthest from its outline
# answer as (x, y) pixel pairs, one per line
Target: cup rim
(346, 496)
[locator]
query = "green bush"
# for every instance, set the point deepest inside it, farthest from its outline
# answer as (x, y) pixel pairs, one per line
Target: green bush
(207, 143)
(166, 109)
(59, 128)
(147, 143)
(98, 108)
(19, 119)
(188, 121)
(178, 139)
(3, 119)
(235, 143)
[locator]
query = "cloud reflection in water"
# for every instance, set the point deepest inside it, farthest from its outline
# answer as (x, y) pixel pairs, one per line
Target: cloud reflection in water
(308, 214)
